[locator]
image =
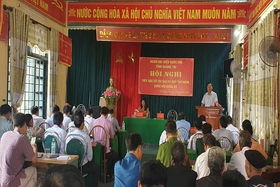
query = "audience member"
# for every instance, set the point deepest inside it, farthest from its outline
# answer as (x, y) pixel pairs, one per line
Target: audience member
(58, 119)
(100, 137)
(89, 119)
(37, 120)
(127, 170)
(254, 164)
(66, 117)
(62, 176)
(178, 174)
(224, 133)
(233, 129)
(55, 110)
(201, 164)
(202, 118)
(198, 134)
(183, 123)
(5, 125)
(238, 159)
(233, 178)
(15, 150)
(31, 129)
(152, 174)
(246, 125)
(216, 160)
(114, 121)
(87, 166)
(164, 151)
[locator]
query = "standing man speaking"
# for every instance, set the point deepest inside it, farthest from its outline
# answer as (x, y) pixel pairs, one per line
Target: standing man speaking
(210, 98)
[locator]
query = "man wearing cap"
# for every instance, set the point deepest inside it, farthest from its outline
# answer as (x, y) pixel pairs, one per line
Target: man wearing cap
(254, 164)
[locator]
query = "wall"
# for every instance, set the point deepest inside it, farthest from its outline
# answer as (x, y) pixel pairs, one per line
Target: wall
(62, 69)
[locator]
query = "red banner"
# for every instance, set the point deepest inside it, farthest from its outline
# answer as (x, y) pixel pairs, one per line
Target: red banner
(4, 32)
(162, 35)
(255, 9)
(158, 13)
(166, 76)
(55, 9)
(65, 50)
(1, 16)
(246, 50)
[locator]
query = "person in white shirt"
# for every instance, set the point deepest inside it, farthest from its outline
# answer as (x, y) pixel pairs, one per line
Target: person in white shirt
(198, 134)
(223, 132)
(57, 119)
(66, 117)
(238, 159)
(233, 129)
(210, 98)
(89, 119)
(55, 110)
(37, 120)
(114, 121)
(88, 166)
(201, 163)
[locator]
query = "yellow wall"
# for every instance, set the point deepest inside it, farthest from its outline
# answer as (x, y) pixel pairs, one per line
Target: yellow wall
(62, 69)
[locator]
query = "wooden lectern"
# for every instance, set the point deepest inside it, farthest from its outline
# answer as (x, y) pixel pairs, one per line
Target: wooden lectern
(212, 115)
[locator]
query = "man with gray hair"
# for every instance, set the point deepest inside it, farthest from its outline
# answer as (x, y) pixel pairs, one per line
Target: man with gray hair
(238, 159)
(216, 159)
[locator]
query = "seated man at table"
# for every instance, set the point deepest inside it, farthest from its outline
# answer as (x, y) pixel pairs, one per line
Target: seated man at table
(56, 129)
(55, 110)
(224, 133)
(216, 160)
(37, 120)
(99, 136)
(114, 121)
(127, 170)
(89, 119)
(15, 150)
(88, 166)
(66, 117)
(195, 136)
(178, 174)
(164, 151)
(183, 126)
(254, 164)
(5, 125)
(152, 174)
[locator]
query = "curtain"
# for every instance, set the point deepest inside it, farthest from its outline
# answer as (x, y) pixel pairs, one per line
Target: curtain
(261, 93)
(124, 69)
(38, 35)
(208, 67)
(88, 77)
(52, 74)
(237, 89)
(19, 23)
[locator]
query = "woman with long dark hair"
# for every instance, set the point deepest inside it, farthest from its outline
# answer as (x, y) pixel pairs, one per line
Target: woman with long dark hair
(144, 108)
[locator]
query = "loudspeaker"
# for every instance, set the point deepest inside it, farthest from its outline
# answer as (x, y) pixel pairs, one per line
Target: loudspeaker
(96, 111)
(227, 72)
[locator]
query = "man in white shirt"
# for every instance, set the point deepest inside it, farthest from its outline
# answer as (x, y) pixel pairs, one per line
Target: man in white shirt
(88, 166)
(233, 129)
(57, 119)
(238, 159)
(89, 119)
(210, 98)
(115, 123)
(198, 134)
(55, 110)
(37, 120)
(223, 132)
(66, 117)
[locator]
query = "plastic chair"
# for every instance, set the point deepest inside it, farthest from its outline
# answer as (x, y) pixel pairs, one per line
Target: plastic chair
(44, 125)
(76, 146)
(47, 140)
(193, 141)
(102, 134)
(225, 143)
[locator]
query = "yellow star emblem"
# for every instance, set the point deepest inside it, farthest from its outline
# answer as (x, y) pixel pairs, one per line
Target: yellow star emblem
(241, 13)
(72, 12)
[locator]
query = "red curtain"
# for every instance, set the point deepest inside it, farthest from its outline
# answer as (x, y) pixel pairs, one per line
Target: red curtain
(124, 70)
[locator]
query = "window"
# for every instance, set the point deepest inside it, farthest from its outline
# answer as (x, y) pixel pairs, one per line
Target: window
(35, 92)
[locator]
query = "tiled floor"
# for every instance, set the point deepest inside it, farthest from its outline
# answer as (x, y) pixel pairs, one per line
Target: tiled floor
(149, 153)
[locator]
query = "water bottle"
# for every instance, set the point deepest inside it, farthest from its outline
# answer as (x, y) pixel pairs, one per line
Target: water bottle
(53, 146)
(275, 160)
(123, 125)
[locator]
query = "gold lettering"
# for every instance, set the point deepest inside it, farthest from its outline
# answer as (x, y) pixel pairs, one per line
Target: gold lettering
(162, 14)
(44, 5)
(228, 13)
(193, 14)
(211, 13)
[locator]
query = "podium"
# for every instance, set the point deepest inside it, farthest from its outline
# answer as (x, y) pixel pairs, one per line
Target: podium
(212, 115)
